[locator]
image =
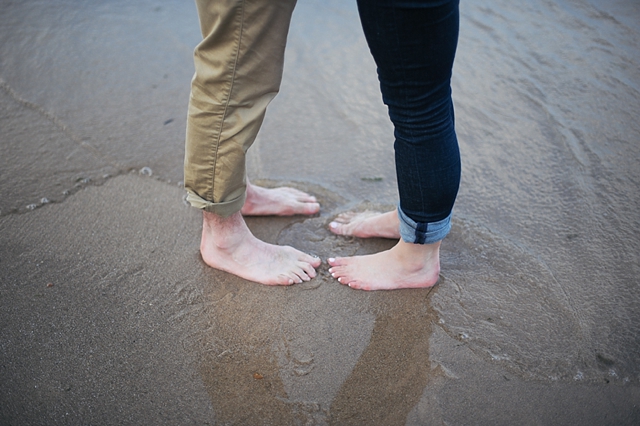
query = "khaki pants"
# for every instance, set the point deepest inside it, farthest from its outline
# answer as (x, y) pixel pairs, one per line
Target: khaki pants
(238, 72)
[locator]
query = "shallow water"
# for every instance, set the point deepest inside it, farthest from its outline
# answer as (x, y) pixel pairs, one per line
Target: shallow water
(551, 171)
(540, 272)
(542, 265)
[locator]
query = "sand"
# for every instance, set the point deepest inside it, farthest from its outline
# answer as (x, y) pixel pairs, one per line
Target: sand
(109, 316)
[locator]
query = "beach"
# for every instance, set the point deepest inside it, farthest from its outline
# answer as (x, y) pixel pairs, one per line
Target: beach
(109, 316)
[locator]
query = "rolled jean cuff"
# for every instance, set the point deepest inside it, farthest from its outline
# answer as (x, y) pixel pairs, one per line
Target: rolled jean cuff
(224, 209)
(422, 232)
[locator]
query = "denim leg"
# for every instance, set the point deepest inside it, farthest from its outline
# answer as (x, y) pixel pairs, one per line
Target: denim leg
(423, 232)
(413, 43)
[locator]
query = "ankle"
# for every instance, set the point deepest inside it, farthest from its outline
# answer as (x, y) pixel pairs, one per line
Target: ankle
(417, 257)
(224, 233)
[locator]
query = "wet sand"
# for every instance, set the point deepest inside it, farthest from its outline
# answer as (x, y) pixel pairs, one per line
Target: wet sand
(109, 316)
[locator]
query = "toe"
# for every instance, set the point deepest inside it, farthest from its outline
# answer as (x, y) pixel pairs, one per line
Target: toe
(356, 285)
(302, 270)
(285, 280)
(339, 272)
(313, 261)
(303, 278)
(311, 208)
(335, 261)
(344, 217)
(308, 269)
(344, 281)
(305, 274)
(335, 227)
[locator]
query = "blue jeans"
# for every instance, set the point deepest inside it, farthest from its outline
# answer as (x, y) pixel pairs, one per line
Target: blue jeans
(413, 43)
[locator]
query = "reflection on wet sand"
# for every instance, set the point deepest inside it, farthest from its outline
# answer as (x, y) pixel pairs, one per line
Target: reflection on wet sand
(321, 353)
(327, 355)
(388, 380)
(237, 366)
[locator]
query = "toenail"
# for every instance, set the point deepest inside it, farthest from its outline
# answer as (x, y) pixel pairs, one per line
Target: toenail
(331, 259)
(333, 225)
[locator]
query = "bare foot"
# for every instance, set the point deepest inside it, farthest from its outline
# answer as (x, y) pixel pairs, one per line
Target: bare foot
(282, 201)
(227, 244)
(367, 224)
(405, 265)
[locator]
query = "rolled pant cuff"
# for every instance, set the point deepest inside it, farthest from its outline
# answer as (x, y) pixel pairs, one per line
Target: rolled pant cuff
(421, 232)
(224, 209)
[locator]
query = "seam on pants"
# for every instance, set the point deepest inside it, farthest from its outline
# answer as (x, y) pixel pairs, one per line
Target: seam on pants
(226, 106)
(421, 233)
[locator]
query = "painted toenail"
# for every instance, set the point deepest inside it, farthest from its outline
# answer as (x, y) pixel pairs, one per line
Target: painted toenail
(331, 259)
(333, 225)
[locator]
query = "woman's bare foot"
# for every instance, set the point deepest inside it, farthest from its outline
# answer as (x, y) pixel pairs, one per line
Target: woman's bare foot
(367, 224)
(405, 265)
(282, 201)
(227, 244)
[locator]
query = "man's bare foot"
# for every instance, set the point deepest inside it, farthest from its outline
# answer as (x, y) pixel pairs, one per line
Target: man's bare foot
(282, 201)
(405, 265)
(227, 244)
(367, 224)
